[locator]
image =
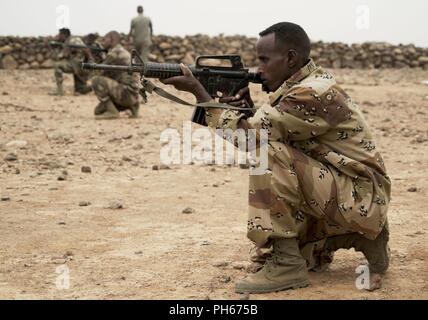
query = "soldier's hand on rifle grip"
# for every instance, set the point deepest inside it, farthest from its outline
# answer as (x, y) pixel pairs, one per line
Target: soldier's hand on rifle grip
(241, 99)
(88, 54)
(187, 82)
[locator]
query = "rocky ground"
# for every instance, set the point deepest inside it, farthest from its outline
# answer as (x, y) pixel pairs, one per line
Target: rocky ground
(118, 225)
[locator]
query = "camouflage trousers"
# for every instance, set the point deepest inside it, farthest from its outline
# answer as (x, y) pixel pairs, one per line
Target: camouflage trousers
(143, 51)
(71, 66)
(108, 89)
(295, 198)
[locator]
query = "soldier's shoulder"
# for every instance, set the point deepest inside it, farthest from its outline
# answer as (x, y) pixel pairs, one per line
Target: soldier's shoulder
(75, 40)
(120, 52)
(319, 82)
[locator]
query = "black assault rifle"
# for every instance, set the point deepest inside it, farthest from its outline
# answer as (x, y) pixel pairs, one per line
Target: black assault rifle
(56, 44)
(227, 80)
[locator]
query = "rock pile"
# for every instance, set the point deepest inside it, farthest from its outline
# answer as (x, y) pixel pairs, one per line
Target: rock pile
(35, 53)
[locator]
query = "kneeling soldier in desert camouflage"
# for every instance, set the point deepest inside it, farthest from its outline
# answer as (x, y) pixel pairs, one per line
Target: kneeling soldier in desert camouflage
(326, 186)
(74, 57)
(116, 91)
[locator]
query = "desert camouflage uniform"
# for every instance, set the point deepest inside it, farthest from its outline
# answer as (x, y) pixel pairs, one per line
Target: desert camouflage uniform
(120, 88)
(72, 65)
(141, 29)
(98, 56)
(325, 176)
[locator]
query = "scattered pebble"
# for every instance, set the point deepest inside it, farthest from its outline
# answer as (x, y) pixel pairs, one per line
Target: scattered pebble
(20, 144)
(86, 169)
(420, 140)
(220, 264)
(11, 157)
(127, 159)
(68, 253)
(5, 198)
(84, 203)
(215, 185)
(412, 189)
(63, 176)
(115, 205)
(188, 210)
(224, 279)
(138, 252)
(160, 167)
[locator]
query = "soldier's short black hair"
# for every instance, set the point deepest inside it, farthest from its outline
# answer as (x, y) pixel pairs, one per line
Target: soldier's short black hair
(140, 9)
(65, 31)
(290, 35)
(92, 37)
(114, 35)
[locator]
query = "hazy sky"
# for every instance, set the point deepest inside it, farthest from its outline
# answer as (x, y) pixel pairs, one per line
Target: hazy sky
(329, 20)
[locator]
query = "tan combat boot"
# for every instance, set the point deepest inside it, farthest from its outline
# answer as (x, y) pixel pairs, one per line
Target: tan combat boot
(82, 90)
(376, 251)
(134, 110)
(286, 269)
(59, 91)
(109, 111)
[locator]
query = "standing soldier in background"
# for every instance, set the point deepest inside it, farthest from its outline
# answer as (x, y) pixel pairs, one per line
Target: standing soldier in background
(141, 34)
(116, 91)
(71, 65)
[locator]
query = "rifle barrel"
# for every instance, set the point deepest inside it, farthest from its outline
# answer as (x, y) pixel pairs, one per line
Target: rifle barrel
(167, 70)
(107, 67)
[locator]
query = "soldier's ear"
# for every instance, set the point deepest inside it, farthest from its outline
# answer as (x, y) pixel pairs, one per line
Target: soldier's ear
(293, 57)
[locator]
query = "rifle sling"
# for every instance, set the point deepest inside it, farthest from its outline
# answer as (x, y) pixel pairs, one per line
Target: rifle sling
(150, 87)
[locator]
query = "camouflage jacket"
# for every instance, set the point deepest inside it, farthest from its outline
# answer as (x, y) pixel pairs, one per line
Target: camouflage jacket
(120, 56)
(73, 54)
(311, 113)
(141, 30)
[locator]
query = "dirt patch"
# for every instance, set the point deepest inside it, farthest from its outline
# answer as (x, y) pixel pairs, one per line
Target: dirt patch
(119, 227)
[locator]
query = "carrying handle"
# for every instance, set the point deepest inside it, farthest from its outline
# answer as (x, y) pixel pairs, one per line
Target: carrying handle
(235, 61)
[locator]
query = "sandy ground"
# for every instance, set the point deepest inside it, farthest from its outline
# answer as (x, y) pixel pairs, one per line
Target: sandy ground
(149, 249)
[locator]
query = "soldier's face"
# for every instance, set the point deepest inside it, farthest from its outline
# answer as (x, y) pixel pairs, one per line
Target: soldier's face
(60, 37)
(107, 42)
(273, 63)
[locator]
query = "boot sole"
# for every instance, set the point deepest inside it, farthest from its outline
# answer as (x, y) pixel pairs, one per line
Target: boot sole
(299, 285)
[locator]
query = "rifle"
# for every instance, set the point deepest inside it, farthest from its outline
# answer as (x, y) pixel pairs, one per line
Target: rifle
(227, 80)
(56, 44)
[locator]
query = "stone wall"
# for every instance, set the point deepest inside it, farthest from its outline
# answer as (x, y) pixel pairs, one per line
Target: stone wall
(34, 53)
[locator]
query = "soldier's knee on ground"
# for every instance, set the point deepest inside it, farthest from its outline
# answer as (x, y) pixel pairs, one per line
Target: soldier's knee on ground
(100, 87)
